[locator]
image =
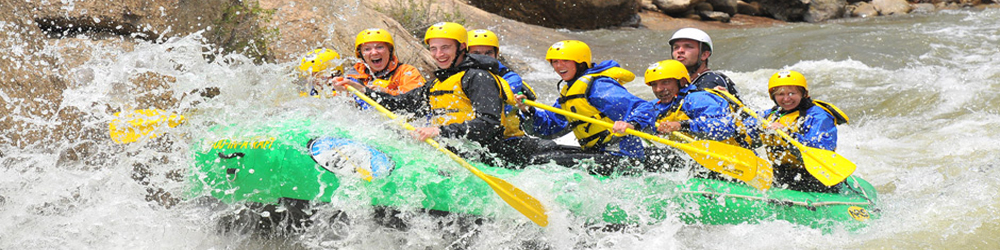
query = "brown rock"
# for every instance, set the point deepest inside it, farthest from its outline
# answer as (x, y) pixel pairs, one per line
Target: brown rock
(677, 7)
(570, 14)
(751, 8)
(862, 9)
(702, 7)
(804, 10)
(923, 7)
(714, 16)
(648, 5)
(725, 6)
(969, 3)
(892, 7)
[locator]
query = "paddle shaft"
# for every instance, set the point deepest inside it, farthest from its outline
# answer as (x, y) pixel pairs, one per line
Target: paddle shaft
(634, 132)
(519, 200)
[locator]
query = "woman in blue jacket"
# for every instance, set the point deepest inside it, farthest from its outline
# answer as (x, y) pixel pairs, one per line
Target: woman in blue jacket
(811, 122)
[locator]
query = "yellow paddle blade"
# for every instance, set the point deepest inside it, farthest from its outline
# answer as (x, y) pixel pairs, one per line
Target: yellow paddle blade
(515, 197)
(519, 200)
(827, 166)
(523, 202)
(737, 162)
(131, 126)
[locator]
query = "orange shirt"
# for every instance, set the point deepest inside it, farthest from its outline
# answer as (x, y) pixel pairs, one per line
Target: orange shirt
(403, 78)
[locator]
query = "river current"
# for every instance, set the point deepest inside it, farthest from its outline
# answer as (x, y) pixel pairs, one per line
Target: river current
(922, 92)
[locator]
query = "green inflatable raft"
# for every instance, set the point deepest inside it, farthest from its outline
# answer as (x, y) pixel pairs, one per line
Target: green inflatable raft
(303, 161)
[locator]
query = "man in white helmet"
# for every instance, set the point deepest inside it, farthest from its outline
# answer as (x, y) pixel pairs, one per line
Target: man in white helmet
(693, 47)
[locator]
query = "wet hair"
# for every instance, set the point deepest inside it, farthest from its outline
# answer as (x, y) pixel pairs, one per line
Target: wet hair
(581, 67)
(805, 92)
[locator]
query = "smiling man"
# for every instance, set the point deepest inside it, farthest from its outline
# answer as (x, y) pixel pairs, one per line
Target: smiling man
(693, 47)
(465, 100)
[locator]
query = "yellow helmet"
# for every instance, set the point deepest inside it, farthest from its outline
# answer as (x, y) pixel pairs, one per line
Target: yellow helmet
(372, 35)
(319, 60)
(666, 69)
(572, 50)
(448, 30)
(481, 37)
(787, 78)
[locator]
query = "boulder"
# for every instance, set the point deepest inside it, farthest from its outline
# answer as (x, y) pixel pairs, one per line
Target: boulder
(751, 8)
(892, 7)
(804, 10)
(702, 7)
(923, 8)
(677, 8)
(569, 14)
(822, 10)
(970, 3)
(648, 5)
(862, 9)
(714, 16)
(725, 6)
(785, 10)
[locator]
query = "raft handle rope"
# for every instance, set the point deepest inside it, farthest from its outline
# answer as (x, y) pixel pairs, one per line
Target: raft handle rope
(863, 193)
(230, 156)
(798, 203)
(231, 172)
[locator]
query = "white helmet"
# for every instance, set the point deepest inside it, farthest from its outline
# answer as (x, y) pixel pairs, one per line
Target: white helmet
(693, 34)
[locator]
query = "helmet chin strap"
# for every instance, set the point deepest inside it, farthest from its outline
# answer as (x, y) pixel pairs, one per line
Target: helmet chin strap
(455, 60)
(458, 53)
(694, 68)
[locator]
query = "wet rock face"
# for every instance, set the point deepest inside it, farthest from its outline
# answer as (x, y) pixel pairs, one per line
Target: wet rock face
(569, 14)
(804, 10)
(677, 7)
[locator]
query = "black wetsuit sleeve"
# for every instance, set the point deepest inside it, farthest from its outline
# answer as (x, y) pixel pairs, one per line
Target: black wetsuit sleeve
(415, 101)
(712, 79)
(482, 90)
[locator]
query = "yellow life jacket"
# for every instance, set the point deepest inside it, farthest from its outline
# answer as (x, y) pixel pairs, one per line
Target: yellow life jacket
(778, 149)
(573, 98)
(450, 105)
(674, 115)
(677, 114)
(380, 83)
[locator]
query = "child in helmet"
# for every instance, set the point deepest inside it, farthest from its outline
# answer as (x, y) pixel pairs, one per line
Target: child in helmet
(680, 107)
(593, 90)
(317, 67)
(811, 122)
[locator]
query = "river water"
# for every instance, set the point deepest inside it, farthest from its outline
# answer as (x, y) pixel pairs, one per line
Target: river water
(922, 92)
